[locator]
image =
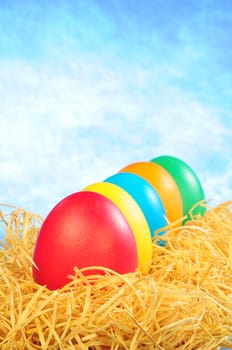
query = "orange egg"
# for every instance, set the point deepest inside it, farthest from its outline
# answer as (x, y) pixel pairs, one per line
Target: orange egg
(164, 184)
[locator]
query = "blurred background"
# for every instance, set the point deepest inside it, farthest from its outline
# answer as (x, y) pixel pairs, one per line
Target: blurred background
(87, 87)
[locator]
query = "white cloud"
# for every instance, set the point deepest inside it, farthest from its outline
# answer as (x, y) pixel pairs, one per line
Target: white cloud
(63, 127)
(218, 187)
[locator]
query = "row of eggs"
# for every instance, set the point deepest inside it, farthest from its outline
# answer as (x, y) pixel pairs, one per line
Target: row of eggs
(112, 223)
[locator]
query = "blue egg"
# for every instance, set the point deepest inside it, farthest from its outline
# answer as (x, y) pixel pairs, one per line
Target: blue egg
(146, 197)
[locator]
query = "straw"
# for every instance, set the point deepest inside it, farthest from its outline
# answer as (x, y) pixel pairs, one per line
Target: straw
(183, 302)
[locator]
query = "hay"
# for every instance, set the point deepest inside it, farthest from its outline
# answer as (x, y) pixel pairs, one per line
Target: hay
(184, 302)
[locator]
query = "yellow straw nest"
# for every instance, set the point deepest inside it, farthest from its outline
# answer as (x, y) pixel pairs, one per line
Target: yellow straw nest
(184, 302)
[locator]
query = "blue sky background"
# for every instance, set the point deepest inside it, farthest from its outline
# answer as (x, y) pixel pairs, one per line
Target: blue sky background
(87, 87)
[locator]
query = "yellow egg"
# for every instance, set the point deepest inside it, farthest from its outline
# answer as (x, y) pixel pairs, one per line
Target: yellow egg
(134, 216)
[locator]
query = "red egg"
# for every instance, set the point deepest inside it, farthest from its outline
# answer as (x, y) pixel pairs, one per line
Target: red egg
(84, 229)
